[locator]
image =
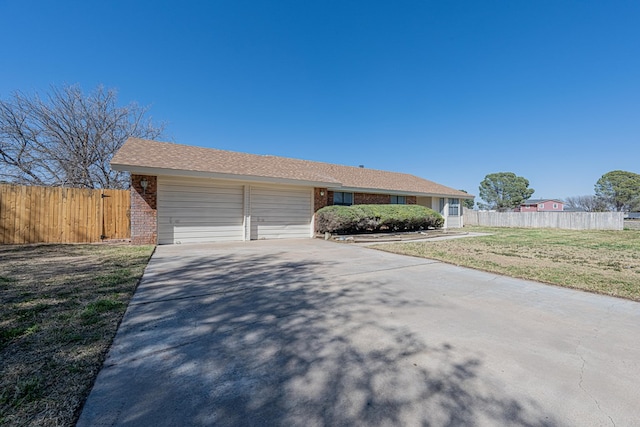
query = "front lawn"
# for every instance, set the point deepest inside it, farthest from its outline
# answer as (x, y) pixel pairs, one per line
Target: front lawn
(606, 262)
(60, 308)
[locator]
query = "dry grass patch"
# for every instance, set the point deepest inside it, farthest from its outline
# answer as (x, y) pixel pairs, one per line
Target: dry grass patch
(61, 306)
(606, 262)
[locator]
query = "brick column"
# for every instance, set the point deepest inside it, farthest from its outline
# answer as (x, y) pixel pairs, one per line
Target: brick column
(320, 201)
(144, 210)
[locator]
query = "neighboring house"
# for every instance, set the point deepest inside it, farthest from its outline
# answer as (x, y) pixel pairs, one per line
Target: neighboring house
(541, 205)
(184, 194)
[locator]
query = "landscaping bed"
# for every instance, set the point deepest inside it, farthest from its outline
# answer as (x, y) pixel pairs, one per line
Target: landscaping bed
(356, 219)
(60, 307)
(390, 237)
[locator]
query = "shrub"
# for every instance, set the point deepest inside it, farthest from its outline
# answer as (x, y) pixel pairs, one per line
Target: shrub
(376, 218)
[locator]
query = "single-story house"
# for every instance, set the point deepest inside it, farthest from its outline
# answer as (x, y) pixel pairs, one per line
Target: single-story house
(185, 194)
(541, 205)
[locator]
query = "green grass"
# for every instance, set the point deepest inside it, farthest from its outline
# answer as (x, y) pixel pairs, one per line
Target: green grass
(606, 262)
(60, 308)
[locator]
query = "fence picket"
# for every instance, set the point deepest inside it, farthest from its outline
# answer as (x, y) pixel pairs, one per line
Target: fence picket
(564, 220)
(32, 214)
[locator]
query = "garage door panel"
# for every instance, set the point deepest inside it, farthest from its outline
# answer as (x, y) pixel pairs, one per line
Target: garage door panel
(279, 192)
(189, 196)
(186, 237)
(202, 232)
(178, 202)
(278, 213)
(194, 210)
(209, 222)
(297, 216)
(177, 195)
(284, 207)
(204, 214)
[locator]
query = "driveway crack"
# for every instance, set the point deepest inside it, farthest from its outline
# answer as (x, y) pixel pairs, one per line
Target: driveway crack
(584, 363)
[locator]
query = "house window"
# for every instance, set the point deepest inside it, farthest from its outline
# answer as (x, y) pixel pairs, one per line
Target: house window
(454, 207)
(541, 205)
(343, 199)
(442, 206)
(555, 206)
(398, 200)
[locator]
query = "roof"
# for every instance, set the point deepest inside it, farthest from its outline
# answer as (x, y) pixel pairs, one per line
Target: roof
(154, 157)
(538, 201)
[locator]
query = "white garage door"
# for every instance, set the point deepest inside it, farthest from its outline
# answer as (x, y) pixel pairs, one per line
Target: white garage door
(197, 210)
(280, 212)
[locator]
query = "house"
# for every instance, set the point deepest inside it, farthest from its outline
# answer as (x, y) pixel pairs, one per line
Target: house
(541, 205)
(184, 194)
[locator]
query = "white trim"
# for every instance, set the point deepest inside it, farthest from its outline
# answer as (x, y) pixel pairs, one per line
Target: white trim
(246, 235)
(312, 226)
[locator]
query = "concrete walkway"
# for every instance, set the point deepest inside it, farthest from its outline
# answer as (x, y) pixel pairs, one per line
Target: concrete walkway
(314, 333)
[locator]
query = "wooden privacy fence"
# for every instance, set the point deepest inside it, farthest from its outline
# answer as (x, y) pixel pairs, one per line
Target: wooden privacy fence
(62, 215)
(564, 220)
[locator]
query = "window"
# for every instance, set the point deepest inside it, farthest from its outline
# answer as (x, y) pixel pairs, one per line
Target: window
(398, 200)
(442, 206)
(343, 199)
(454, 207)
(555, 206)
(541, 206)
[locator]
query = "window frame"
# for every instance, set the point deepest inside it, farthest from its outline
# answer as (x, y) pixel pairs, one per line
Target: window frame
(454, 207)
(342, 202)
(398, 200)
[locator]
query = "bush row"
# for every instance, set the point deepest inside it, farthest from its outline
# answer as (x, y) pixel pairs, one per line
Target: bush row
(376, 218)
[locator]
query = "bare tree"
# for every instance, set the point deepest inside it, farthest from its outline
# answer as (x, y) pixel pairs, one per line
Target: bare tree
(67, 138)
(586, 203)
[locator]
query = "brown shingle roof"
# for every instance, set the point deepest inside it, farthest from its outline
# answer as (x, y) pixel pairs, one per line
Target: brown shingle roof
(139, 153)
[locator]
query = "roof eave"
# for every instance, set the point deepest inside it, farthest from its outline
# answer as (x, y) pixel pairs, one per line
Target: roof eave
(398, 192)
(143, 170)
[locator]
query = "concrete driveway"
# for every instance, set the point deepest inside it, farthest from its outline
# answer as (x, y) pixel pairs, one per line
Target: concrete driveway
(314, 333)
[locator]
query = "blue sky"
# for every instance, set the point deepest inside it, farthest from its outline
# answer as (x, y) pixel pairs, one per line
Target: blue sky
(446, 90)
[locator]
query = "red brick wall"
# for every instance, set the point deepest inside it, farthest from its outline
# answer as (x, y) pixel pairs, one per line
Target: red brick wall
(144, 211)
(329, 198)
(320, 201)
(371, 199)
(358, 199)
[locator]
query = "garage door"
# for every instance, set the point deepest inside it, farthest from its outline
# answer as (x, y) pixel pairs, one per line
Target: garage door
(197, 210)
(280, 212)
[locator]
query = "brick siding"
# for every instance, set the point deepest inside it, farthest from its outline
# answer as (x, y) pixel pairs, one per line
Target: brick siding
(144, 211)
(320, 201)
(371, 199)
